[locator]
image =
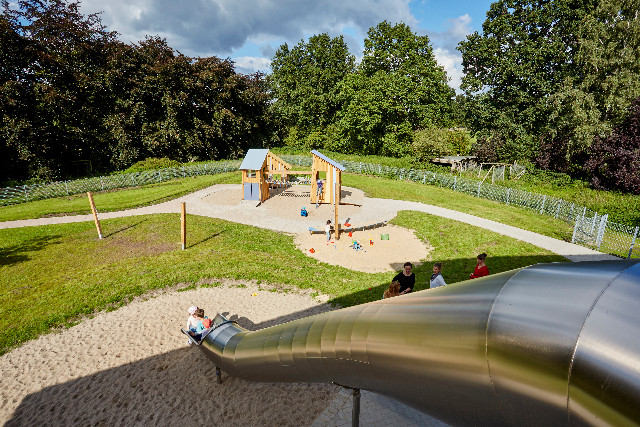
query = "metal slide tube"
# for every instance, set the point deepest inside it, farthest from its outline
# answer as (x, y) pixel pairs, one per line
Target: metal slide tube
(551, 344)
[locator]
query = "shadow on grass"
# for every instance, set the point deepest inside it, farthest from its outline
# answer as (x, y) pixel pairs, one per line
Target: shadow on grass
(206, 239)
(125, 228)
(20, 253)
(453, 271)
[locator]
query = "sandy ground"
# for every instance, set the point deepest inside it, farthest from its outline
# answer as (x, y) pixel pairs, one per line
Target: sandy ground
(132, 367)
(377, 255)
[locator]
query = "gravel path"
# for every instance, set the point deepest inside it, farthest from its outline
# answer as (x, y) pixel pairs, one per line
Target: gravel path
(281, 212)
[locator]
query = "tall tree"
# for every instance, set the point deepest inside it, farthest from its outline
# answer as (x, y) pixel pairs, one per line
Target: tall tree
(398, 88)
(526, 50)
(54, 124)
(304, 82)
(590, 103)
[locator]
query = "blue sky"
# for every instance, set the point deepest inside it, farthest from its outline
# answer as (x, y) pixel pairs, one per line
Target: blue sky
(250, 31)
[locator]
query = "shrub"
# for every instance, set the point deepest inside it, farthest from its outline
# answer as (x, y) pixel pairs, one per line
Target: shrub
(153, 163)
(430, 143)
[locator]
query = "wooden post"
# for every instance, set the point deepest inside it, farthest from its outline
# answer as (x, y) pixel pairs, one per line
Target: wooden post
(95, 214)
(335, 209)
(183, 226)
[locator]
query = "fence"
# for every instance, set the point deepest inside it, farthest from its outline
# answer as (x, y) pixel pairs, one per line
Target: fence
(28, 193)
(590, 229)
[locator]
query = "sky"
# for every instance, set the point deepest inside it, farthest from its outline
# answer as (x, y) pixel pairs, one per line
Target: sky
(250, 31)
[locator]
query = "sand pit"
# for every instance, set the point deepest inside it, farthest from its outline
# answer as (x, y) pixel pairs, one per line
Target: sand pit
(132, 367)
(375, 256)
(282, 210)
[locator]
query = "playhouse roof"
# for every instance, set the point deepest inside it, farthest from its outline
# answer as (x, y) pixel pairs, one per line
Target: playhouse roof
(328, 160)
(254, 159)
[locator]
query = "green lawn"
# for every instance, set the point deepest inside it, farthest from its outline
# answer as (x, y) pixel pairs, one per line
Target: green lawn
(115, 200)
(443, 197)
(52, 275)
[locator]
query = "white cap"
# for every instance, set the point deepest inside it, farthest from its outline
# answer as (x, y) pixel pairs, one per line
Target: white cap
(192, 309)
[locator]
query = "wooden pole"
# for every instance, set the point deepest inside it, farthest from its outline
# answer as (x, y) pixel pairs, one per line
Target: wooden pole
(95, 214)
(183, 226)
(335, 209)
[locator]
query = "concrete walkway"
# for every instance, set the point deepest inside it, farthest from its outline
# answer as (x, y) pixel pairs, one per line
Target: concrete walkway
(372, 211)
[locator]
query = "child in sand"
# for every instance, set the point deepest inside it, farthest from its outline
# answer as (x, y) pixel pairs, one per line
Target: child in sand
(393, 291)
(327, 230)
(202, 323)
(191, 320)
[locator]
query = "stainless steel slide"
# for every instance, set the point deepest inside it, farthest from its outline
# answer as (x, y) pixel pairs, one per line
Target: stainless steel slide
(551, 344)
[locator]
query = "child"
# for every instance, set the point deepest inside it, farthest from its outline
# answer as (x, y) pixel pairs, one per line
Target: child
(327, 230)
(196, 332)
(393, 291)
(436, 278)
(191, 321)
(318, 192)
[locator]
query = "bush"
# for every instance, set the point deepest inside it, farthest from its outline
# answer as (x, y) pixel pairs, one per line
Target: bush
(153, 163)
(614, 161)
(430, 143)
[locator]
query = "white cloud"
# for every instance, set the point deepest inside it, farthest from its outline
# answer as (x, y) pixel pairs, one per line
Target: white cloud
(251, 64)
(445, 44)
(201, 27)
(452, 63)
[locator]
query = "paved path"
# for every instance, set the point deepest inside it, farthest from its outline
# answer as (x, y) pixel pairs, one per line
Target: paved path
(373, 211)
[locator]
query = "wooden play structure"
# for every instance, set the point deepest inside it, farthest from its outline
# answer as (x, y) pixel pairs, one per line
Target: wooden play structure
(331, 186)
(258, 167)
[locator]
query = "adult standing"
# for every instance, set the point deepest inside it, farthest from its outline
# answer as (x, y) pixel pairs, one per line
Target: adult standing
(481, 269)
(436, 278)
(406, 278)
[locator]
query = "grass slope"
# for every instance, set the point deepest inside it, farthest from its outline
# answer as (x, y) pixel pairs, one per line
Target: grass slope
(115, 200)
(52, 275)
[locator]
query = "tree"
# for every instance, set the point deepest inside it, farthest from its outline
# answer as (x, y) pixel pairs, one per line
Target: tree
(397, 89)
(52, 104)
(589, 104)
(615, 160)
(304, 82)
(526, 50)
(185, 109)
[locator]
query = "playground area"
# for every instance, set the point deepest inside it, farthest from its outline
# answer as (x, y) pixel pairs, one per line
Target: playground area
(282, 211)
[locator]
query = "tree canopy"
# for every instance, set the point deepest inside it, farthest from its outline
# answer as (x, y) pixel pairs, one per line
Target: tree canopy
(526, 50)
(304, 81)
(371, 108)
(70, 91)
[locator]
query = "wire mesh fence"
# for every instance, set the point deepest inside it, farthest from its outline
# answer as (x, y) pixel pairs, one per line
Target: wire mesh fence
(590, 229)
(28, 193)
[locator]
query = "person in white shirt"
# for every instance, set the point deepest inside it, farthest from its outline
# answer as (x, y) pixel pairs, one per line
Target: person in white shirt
(436, 278)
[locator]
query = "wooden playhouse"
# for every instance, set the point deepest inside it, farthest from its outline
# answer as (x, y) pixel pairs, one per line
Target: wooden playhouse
(258, 167)
(332, 185)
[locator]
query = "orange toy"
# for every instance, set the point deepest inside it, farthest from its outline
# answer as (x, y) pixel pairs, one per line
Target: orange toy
(312, 250)
(350, 235)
